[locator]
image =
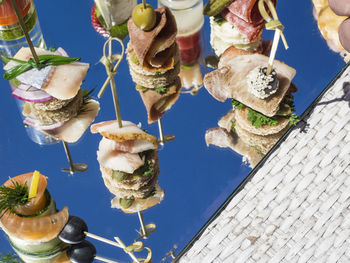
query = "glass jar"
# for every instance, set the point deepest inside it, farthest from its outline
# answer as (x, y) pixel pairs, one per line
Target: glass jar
(190, 19)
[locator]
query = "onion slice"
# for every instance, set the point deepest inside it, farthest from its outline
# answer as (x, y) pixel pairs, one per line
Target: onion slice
(30, 120)
(30, 94)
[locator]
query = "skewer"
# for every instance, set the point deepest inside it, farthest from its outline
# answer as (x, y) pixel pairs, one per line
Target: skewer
(144, 233)
(273, 24)
(73, 167)
(163, 139)
(119, 244)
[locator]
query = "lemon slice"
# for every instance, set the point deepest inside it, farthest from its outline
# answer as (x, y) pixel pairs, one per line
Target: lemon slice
(34, 185)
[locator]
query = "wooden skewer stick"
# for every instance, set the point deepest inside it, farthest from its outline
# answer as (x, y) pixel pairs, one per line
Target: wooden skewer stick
(124, 246)
(144, 233)
(73, 167)
(163, 139)
(105, 260)
(25, 31)
(274, 47)
(119, 243)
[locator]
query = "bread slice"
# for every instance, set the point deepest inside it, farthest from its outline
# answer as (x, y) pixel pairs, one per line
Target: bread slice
(241, 116)
(261, 143)
(229, 81)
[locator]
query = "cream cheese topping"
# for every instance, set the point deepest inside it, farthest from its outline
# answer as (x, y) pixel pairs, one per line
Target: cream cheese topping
(261, 85)
(225, 35)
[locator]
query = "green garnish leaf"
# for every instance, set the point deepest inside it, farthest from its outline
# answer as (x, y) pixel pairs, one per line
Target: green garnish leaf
(44, 61)
(257, 119)
(294, 119)
(161, 90)
(219, 19)
(86, 99)
(10, 197)
(10, 258)
(52, 49)
(238, 105)
(158, 73)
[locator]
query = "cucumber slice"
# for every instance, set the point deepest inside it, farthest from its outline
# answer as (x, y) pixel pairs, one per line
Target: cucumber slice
(47, 258)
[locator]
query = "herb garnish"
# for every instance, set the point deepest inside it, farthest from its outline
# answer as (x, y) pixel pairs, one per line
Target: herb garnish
(9, 258)
(161, 90)
(10, 197)
(219, 19)
(86, 99)
(257, 119)
(44, 61)
(237, 104)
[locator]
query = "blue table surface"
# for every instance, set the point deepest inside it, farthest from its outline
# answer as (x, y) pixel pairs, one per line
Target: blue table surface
(196, 178)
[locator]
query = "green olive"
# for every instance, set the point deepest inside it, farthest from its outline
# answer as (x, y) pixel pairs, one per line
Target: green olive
(144, 18)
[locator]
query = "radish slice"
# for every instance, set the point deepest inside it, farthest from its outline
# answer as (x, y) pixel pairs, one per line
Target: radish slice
(31, 95)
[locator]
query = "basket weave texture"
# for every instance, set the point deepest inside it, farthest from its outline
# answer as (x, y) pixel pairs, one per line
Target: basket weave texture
(296, 208)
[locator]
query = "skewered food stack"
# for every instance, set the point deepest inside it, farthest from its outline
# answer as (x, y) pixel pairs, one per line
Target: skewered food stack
(32, 224)
(129, 165)
(235, 23)
(262, 103)
(53, 101)
(153, 58)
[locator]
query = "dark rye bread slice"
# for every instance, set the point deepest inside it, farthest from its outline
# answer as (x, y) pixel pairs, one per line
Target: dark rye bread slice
(64, 114)
(229, 81)
(157, 104)
(241, 116)
(51, 105)
(150, 45)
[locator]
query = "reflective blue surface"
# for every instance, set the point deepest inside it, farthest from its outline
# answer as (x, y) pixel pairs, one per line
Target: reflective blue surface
(196, 179)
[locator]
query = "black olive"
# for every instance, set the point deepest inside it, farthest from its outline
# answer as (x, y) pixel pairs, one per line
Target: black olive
(73, 231)
(83, 252)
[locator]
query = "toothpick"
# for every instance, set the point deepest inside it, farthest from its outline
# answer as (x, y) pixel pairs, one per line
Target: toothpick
(73, 167)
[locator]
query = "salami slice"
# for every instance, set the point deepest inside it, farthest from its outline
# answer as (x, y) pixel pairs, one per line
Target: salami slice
(250, 31)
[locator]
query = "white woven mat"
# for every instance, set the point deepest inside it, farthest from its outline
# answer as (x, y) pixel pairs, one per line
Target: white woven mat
(296, 207)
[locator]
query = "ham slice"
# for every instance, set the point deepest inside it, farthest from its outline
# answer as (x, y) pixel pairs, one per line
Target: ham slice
(155, 48)
(229, 81)
(62, 82)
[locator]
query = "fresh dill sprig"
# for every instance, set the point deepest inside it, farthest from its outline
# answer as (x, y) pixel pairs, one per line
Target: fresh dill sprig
(9, 258)
(86, 99)
(10, 197)
(294, 119)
